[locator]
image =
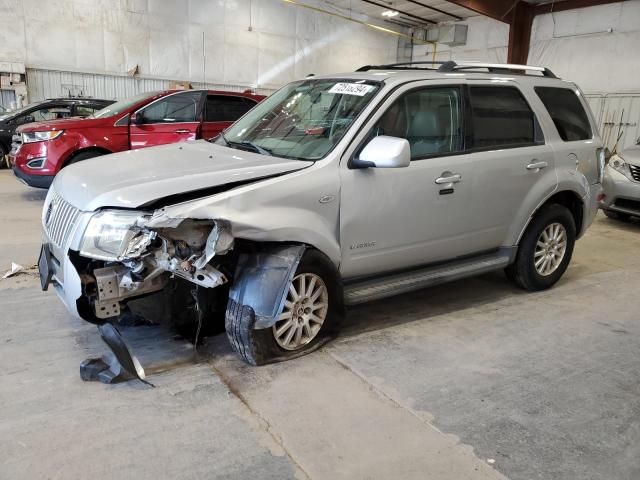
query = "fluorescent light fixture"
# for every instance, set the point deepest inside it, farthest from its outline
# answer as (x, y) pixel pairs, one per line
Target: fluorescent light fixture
(390, 13)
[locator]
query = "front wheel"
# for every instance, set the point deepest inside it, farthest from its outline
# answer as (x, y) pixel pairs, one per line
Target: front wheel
(311, 315)
(545, 249)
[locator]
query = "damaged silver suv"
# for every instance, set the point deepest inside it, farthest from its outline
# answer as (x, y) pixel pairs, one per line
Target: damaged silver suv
(335, 190)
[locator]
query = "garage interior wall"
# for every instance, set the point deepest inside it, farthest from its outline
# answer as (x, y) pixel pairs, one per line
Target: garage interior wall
(231, 44)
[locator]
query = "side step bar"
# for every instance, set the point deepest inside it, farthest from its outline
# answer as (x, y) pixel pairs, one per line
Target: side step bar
(395, 284)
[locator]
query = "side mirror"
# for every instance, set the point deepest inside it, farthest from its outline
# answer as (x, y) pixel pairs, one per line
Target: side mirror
(135, 118)
(384, 152)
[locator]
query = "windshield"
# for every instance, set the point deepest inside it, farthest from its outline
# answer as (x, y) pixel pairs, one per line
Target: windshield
(122, 105)
(304, 120)
(17, 112)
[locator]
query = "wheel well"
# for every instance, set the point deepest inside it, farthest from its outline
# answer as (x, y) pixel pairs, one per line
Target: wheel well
(102, 151)
(571, 201)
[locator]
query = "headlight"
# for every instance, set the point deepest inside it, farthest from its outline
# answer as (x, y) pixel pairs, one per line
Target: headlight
(111, 235)
(31, 137)
(616, 162)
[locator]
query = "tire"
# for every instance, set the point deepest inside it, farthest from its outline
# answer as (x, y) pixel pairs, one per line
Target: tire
(523, 271)
(263, 346)
(4, 160)
(78, 157)
(623, 217)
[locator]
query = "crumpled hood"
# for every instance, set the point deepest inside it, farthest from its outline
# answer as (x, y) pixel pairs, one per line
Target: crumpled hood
(136, 177)
(632, 155)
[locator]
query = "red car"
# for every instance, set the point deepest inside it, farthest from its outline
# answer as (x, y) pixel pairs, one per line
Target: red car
(39, 150)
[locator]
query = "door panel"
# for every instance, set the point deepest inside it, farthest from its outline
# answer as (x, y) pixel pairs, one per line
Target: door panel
(397, 218)
(170, 119)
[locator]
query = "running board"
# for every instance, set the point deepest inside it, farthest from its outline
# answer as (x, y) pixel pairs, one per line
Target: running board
(395, 284)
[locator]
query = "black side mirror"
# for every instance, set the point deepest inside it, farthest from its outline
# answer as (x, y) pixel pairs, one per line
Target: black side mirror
(136, 118)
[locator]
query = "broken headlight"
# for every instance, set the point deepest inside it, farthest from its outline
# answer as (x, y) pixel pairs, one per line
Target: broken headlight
(114, 235)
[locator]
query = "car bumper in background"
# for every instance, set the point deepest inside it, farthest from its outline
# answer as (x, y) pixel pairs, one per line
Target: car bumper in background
(621, 194)
(37, 181)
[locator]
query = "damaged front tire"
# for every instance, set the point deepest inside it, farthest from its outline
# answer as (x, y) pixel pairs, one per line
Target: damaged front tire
(311, 316)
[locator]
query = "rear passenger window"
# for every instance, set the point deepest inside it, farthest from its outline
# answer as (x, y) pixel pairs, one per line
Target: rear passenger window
(222, 108)
(566, 112)
(501, 117)
(430, 119)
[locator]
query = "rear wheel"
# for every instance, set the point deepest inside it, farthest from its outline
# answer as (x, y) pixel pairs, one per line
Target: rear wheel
(545, 249)
(624, 217)
(311, 316)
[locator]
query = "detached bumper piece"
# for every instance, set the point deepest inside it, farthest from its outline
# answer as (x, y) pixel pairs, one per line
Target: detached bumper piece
(117, 366)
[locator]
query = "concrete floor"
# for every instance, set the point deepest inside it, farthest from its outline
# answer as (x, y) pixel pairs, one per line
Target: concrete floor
(471, 380)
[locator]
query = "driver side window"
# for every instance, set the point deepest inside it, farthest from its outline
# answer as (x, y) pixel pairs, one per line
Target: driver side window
(176, 108)
(430, 119)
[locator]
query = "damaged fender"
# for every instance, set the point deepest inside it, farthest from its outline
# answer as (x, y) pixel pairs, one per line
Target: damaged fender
(262, 281)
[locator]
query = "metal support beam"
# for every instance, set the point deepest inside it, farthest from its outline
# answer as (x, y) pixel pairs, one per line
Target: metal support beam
(496, 9)
(435, 9)
(521, 18)
(569, 5)
(406, 14)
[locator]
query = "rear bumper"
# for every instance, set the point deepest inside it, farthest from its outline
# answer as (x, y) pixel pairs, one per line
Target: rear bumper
(590, 201)
(37, 181)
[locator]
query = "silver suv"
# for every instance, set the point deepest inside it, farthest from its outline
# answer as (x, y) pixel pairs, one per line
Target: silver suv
(335, 190)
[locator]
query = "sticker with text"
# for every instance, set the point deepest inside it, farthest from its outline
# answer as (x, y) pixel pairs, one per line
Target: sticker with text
(359, 89)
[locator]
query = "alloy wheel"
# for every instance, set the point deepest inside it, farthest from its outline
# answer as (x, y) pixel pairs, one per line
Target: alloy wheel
(550, 249)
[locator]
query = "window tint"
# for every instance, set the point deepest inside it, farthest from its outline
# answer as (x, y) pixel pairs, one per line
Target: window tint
(430, 119)
(181, 107)
(86, 110)
(51, 113)
(566, 112)
(222, 108)
(501, 117)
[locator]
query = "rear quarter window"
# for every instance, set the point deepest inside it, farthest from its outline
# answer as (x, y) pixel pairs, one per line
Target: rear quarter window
(567, 113)
(502, 118)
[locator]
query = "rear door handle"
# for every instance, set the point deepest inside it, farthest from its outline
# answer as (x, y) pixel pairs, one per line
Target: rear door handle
(537, 165)
(182, 130)
(448, 177)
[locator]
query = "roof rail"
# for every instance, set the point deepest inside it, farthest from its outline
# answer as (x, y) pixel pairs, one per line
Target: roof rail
(495, 68)
(451, 66)
(400, 66)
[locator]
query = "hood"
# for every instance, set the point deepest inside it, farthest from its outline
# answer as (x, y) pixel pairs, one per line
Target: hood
(137, 177)
(65, 124)
(632, 155)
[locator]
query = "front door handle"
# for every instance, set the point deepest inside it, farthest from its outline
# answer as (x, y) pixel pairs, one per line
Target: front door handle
(448, 177)
(535, 165)
(182, 130)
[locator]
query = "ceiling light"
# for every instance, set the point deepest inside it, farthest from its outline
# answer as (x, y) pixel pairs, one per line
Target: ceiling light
(390, 13)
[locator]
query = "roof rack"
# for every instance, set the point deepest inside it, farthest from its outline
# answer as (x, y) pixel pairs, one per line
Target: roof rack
(451, 66)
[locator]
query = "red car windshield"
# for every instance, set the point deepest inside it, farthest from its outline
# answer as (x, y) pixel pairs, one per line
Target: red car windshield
(122, 105)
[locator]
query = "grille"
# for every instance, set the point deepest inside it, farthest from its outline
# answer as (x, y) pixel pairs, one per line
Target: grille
(59, 218)
(635, 172)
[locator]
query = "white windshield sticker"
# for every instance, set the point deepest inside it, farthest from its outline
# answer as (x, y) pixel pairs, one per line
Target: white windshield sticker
(359, 89)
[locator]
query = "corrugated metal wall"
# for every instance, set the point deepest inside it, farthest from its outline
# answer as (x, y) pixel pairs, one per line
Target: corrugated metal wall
(43, 84)
(618, 117)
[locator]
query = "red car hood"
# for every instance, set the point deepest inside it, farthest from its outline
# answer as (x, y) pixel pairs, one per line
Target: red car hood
(64, 124)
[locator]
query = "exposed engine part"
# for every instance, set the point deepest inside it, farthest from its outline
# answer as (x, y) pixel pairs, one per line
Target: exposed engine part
(219, 242)
(138, 245)
(116, 283)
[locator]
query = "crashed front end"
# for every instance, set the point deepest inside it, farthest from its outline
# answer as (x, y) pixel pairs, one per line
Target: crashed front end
(109, 264)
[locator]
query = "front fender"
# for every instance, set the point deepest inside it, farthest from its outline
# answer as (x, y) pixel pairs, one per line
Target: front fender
(262, 280)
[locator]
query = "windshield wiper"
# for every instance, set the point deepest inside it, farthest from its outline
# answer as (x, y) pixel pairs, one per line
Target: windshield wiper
(244, 144)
